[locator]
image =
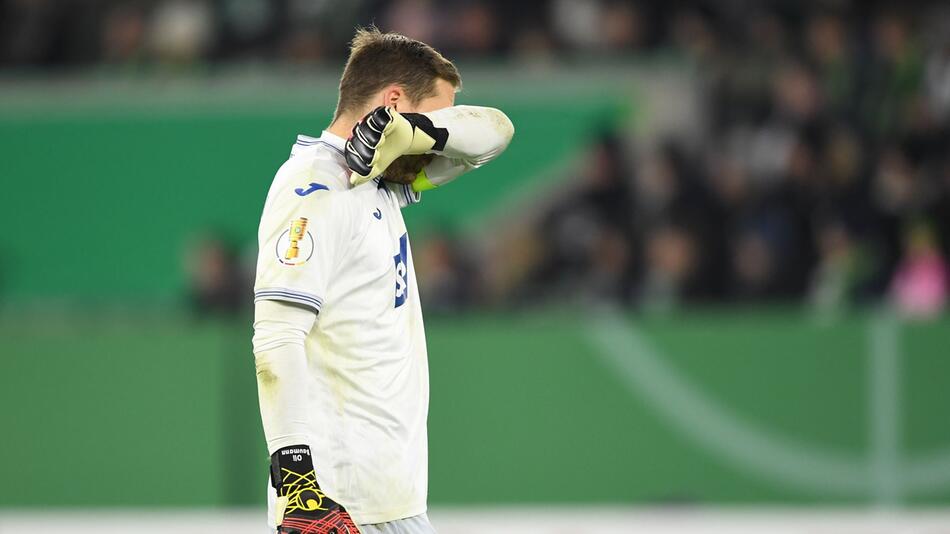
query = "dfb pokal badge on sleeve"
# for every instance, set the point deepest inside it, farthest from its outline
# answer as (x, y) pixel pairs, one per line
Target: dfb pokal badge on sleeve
(295, 245)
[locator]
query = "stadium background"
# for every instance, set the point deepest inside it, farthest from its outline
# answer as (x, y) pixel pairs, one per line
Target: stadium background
(709, 273)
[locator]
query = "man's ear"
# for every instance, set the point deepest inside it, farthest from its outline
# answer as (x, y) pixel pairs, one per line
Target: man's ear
(393, 95)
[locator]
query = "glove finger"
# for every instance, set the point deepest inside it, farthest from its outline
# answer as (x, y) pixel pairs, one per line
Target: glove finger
(365, 151)
(360, 145)
(355, 161)
(367, 134)
(373, 126)
(358, 149)
(379, 118)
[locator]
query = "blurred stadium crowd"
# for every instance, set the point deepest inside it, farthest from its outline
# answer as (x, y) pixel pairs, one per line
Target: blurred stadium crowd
(134, 34)
(822, 172)
(819, 170)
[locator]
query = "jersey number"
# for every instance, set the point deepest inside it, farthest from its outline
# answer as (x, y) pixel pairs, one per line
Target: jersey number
(402, 271)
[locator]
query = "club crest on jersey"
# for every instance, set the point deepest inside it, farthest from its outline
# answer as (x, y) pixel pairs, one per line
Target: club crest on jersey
(295, 245)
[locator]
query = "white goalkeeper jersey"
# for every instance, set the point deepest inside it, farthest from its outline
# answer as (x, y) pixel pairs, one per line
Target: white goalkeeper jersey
(344, 252)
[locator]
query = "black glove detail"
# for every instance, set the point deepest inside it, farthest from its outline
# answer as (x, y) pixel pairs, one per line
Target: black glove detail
(361, 147)
(420, 121)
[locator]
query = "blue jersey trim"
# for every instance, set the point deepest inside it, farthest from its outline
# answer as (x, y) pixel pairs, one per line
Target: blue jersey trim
(411, 196)
(289, 295)
(318, 142)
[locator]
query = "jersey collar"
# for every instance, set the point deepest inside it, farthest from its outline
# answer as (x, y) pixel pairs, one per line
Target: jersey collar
(327, 140)
(337, 142)
(331, 144)
(333, 140)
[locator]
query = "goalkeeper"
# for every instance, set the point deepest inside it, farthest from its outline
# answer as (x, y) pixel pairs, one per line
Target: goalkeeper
(339, 344)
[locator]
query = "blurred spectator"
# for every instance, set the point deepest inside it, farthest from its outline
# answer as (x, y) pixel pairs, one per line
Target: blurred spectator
(622, 27)
(181, 31)
(670, 265)
(578, 22)
(755, 267)
(919, 288)
(217, 284)
(841, 273)
(448, 281)
(475, 32)
(938, 82)
(302, 47)
(534, 47)
(896, 186)
(895, 73)
(693, 35)
(413, 18)
(830, 50)
(123, 34)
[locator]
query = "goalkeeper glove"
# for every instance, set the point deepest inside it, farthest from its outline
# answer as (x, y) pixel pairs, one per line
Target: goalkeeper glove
(302, 508)
(385, 134)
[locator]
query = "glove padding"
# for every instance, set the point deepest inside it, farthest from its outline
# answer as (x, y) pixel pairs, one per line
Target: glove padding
(383, 136)
(302, 508)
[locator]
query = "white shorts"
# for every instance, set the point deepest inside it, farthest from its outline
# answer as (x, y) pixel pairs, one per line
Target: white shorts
(418, 524)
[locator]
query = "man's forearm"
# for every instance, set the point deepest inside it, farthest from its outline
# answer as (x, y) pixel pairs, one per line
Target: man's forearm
(466, 136)
(279, 332)
(476, 135)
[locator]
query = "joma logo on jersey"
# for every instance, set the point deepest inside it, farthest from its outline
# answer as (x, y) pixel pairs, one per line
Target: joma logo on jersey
(314, 186)
(402, 271)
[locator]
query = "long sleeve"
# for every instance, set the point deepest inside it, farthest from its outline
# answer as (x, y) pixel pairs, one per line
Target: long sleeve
(280, 329)
(476, 135)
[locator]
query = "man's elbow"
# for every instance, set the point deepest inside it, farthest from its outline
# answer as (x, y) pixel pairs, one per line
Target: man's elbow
(503, 128)
(495, 135)
(267, 376)
(279, 367)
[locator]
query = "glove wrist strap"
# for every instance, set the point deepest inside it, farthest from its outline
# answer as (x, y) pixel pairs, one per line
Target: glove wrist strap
(291, 468)
(437, 136)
